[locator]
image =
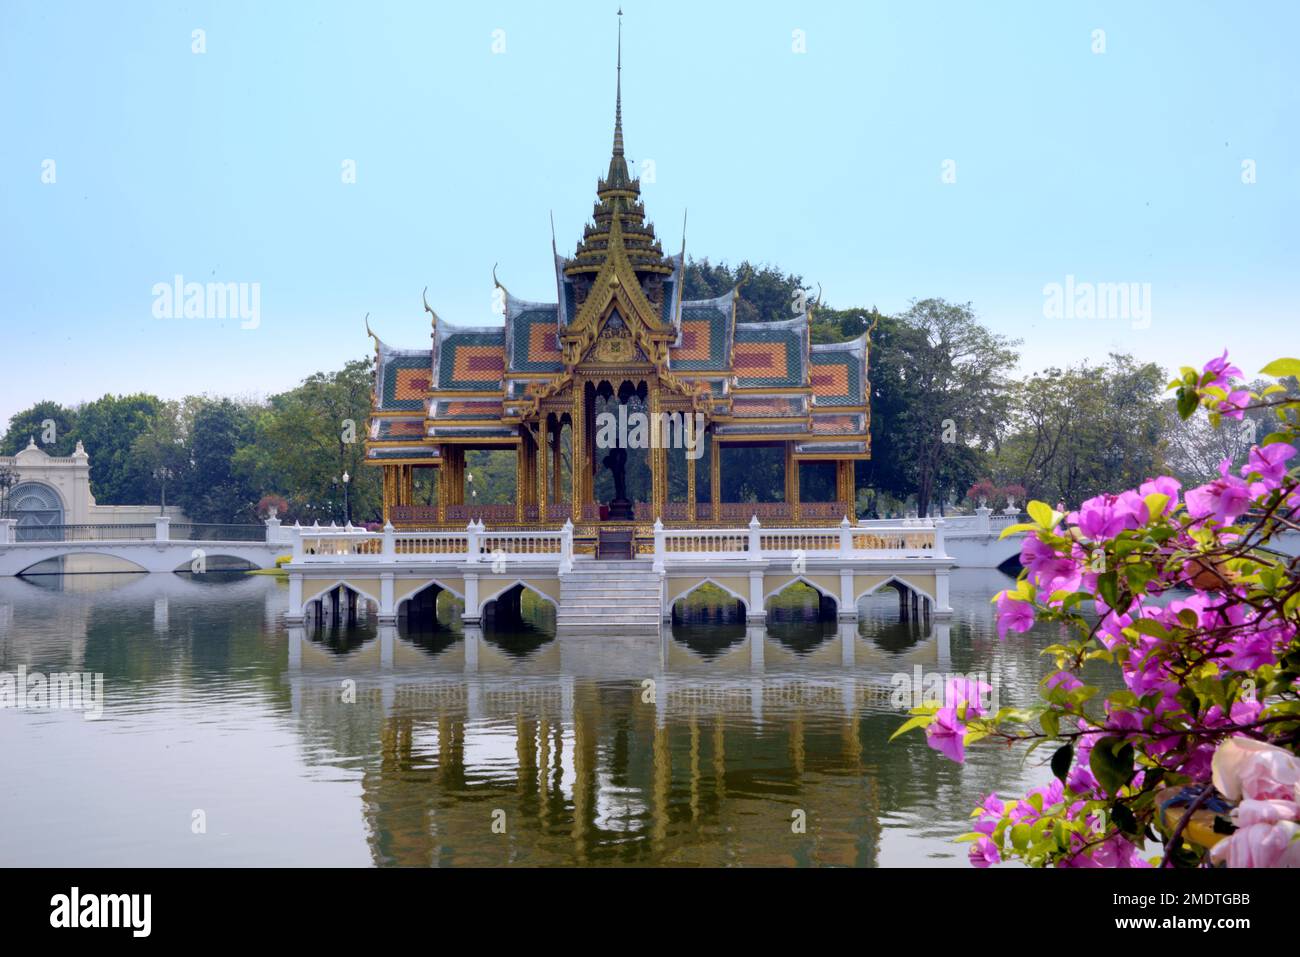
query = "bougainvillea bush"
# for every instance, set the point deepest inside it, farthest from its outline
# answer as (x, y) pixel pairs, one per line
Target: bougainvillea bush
(1188, 594)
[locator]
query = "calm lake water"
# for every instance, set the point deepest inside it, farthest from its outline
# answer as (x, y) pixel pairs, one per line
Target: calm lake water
(364, 745)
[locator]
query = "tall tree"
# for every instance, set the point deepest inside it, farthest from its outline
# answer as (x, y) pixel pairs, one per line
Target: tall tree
(950, 373)
(215, 488)
(48, 423)
(308, 437)
(1084, 429)
(108, 428)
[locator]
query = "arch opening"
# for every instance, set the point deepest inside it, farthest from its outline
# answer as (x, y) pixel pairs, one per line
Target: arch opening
(707, 602)
(39, 511)
(800, 600)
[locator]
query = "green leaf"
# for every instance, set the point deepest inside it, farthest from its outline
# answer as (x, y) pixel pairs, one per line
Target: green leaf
(1124, 818)
(1042, 513)
(1017, 529)
(920, 721)
(1020, 836)
(1062, 760)
(1108, 588)
(1112, 764)
(1281, 367)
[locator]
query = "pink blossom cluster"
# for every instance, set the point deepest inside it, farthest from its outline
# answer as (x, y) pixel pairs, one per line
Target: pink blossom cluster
(1265, 781)
(1157, 643)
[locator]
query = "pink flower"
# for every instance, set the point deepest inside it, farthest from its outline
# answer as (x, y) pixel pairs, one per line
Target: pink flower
(1223, 499)
(1234, 406)
(967, 691)
(1105, 516)
(1163, 485)
(984, 853)
(1220, 369)
(946, 735)
(1260, 845)
(1063, 680)
(1246, 768)
(1013, 614)
(1269, 463)
(1250, 812)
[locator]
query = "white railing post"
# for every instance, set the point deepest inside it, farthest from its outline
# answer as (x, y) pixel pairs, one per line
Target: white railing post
(162, 528)
(295, 539)
(272, 529)
(471, 542)
(755, 542)
(7, 531)
(846, 537)
(982, 518)
(939, 546)
(566, 547)
(659, 546)
(389, 548)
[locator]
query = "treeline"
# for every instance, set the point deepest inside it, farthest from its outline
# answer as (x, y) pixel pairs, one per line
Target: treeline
(218, 458)
(950, 424)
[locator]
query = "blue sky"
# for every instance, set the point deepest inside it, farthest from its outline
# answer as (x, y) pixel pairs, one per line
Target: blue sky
(1122, 166)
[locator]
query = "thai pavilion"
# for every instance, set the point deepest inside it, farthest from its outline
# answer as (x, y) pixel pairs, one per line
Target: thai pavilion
(617, 333)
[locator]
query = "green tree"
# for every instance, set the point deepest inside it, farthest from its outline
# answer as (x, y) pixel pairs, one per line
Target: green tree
(163, 450)
(947, 380)
(108, 428)
(44, 419)
(215, 488)
(307, 438)
(1078, 431)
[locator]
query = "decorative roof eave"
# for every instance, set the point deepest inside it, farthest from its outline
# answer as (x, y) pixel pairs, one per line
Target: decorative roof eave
(437, 393)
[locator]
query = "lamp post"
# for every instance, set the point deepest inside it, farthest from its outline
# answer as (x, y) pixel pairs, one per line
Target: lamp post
(8, 478)
(163, 474)
(347, 506)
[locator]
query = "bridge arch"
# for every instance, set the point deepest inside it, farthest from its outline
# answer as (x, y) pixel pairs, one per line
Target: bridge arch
(828, 603)
(802, 580)
(517, 583)
(744, 602)
(420, 596)
(89, 552)
(898, 583)
(350, 586)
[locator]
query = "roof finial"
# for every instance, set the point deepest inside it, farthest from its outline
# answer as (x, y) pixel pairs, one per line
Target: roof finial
(618, 92)
(425, 296)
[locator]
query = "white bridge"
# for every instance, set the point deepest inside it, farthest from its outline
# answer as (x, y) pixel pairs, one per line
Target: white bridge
(158, 547)
(398, 569)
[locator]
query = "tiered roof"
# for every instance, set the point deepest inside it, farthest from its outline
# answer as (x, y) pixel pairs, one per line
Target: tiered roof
(759, 381)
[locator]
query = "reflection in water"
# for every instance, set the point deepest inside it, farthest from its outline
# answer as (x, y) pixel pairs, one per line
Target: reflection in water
(360, 743)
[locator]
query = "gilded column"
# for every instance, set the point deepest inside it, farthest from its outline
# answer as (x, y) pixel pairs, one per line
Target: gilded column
(658, 459)
(557, 461)
(690, 486)
(577, 442)
(715, 477)
(791, 481)
(540, 481)
(388, 492)
(589, 443)
(848, 491)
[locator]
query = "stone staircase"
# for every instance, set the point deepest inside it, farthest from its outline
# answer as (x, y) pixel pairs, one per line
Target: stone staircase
(609, 598)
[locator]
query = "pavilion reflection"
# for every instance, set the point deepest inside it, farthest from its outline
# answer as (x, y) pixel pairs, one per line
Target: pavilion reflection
(656, 751)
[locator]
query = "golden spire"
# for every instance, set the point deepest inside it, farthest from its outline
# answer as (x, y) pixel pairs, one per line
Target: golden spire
(618, 91)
